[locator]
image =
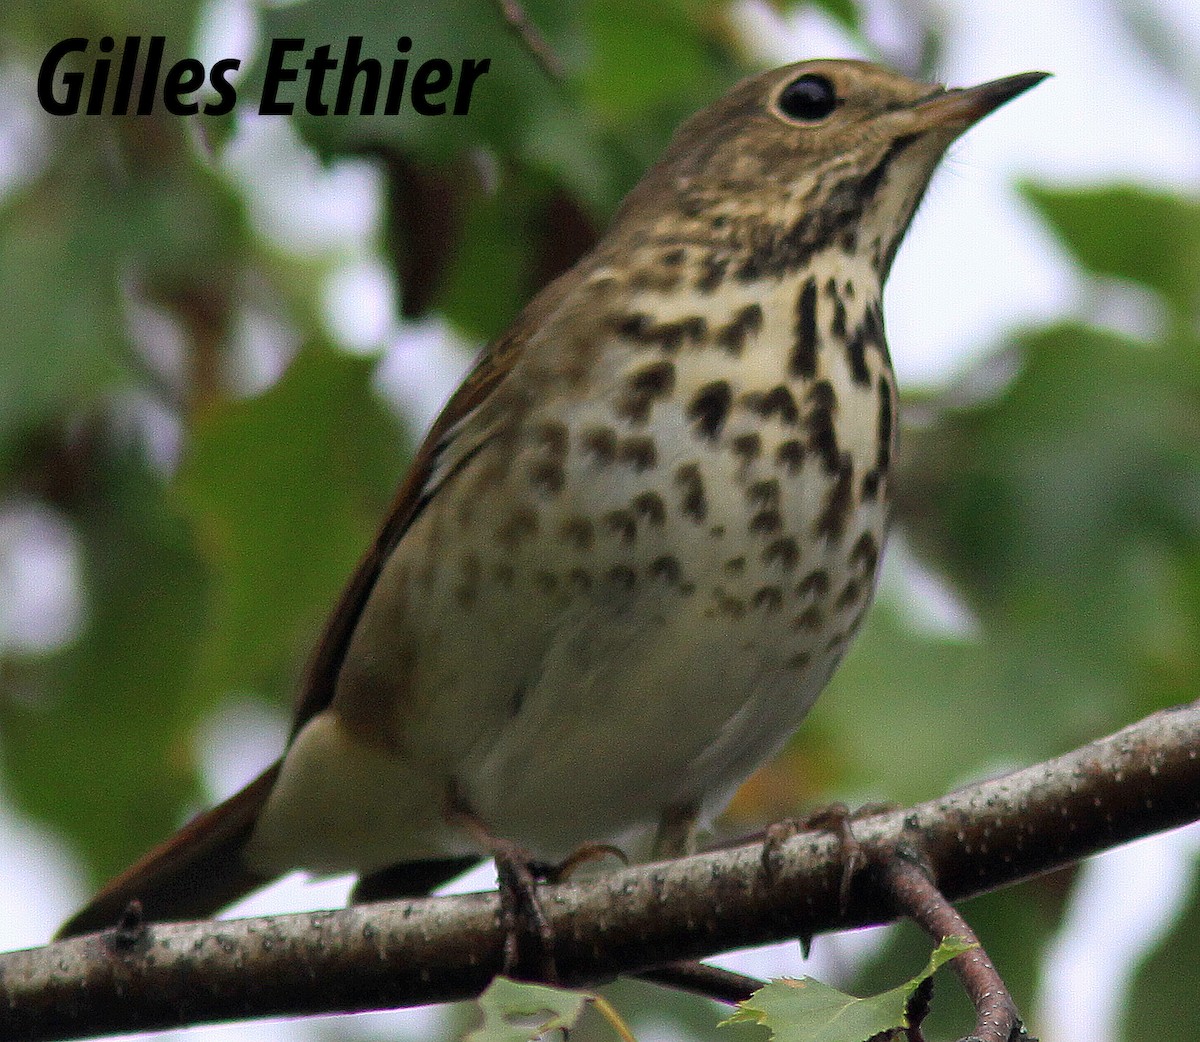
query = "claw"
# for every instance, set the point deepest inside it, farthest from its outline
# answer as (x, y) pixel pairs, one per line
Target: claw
(522, 917)
(837, 818)
(585, 855)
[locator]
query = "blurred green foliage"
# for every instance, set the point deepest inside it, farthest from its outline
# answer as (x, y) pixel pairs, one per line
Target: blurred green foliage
(1062, 508)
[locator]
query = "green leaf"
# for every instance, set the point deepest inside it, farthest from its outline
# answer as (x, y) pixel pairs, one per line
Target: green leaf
(805, 1010)
(486, 284)
(645, 56)
(1065, 511)
(37, 26)
(72, 241)
(96, 745)
(1012, 922)
(506, 101)
(285, 491)
(60, 308)
(844, 12)
(1127, 232)
(517, 1012)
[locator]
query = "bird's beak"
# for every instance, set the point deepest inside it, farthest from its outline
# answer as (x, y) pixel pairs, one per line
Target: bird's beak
(960, 107)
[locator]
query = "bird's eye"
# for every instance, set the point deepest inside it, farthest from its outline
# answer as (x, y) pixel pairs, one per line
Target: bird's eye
(808, 99)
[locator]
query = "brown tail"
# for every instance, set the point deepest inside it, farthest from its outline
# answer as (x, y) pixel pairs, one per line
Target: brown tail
(193, 875)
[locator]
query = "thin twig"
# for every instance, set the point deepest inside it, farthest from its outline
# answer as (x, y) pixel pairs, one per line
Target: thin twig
(533, 41)
(915, 894)
(699, 978)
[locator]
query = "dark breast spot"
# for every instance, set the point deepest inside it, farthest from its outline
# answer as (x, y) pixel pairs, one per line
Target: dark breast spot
(666, 568)
(520, 525)
(766, 522)
(800, 660)
(622, 524)
(886, 421)
(838, 326)
(600, 443)
(577, 531)
(712, 273)
(768, 598)
(815, 584)
(693, 503)
(763, 493)
(776, 402)
(839, 501)
(850, 593)
(837, 642)
(649, 505)
(747, 446)
(669, 336)
(710, 407)
(804, 345)
(865, 554)
(638, 452)
(822, 438)
(643, 388)
(547, 477)
(552, 436)
(868, 334)
(746, 323)
(885, 435)
(790, 456)
(784, 551)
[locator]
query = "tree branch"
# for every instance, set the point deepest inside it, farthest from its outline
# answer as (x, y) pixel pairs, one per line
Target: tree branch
(532, 40)
(1143, 779)
(914, 892)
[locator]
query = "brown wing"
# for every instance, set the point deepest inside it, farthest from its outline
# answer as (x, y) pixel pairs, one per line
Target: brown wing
(199, 870)
(320, 676)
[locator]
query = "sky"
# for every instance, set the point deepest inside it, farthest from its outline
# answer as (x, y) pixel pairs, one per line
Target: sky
(975, 266)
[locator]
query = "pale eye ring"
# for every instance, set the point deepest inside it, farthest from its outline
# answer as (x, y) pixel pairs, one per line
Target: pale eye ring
(808, 99)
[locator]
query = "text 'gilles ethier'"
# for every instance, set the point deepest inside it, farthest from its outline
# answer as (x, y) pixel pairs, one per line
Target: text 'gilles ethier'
(315, 81)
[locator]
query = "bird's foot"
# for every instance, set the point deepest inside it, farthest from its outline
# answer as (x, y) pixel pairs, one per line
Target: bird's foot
(586, 854)
(528, 938)
(837, 819)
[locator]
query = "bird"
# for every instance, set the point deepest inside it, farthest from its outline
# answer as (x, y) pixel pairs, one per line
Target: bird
(632, 549)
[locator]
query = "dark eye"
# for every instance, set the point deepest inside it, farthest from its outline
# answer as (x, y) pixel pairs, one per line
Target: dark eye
(808, 98)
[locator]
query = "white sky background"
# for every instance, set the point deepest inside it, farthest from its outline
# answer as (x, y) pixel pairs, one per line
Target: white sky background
(975, 265)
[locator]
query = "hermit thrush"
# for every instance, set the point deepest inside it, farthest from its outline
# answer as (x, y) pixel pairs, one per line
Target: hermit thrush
(639, 538)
